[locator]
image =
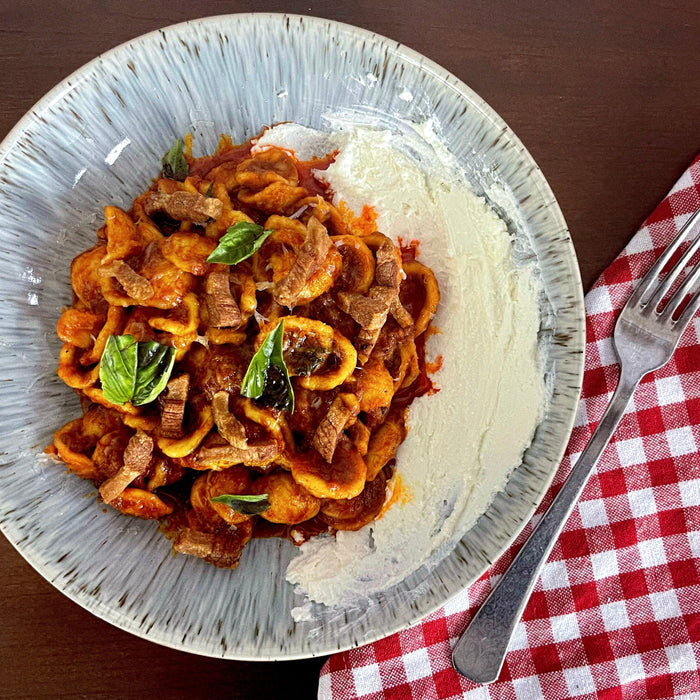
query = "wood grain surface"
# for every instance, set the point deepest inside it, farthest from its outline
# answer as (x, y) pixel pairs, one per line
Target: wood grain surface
(605, 95)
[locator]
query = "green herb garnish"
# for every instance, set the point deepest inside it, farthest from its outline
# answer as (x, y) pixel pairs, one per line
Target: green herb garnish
(134, 371)
(245, 504)
(238, 243)
(175, 166)
(267, 377)
(118, 368)
(153, 371)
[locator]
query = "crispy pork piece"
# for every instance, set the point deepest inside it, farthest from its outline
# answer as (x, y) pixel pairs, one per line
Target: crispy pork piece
(137, 459)
(398, 311)
(370, 312)
(312, 253)
(388, 270)
(136, 286)
(222, 549)
(173, 410)
(217, 456)
(184, 206)
(223, 309)
(230, 428)
(344, 408)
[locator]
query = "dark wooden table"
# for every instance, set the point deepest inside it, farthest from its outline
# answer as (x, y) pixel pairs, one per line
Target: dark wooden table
(605, 95)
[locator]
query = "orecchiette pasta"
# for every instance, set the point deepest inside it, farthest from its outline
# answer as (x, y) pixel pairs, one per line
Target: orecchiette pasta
(245, 352)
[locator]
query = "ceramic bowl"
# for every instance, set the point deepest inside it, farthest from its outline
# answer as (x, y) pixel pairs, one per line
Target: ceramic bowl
(94, 139)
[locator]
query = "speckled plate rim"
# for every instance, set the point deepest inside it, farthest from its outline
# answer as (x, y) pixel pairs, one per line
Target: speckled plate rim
(536, 179)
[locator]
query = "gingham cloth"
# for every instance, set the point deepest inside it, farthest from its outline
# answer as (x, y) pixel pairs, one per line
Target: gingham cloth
(616, 612)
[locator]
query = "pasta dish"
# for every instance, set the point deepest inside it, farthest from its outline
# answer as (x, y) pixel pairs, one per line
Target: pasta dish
(245, 353)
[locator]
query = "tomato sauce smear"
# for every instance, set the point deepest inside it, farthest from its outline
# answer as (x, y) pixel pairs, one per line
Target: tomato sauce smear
(226, 153)
(307, 179)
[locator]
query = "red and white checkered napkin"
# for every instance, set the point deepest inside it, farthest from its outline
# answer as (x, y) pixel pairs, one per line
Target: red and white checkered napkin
(616, 613)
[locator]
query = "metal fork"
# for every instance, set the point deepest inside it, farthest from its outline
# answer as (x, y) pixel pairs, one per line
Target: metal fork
(645, 337)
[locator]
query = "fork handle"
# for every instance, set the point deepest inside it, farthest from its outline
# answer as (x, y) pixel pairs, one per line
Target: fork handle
(481, 650)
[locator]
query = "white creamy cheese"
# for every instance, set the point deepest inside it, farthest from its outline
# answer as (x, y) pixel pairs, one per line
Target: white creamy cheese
(463, 441)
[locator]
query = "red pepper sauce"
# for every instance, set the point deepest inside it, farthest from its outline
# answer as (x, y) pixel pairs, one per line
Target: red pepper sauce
(307, 178)
(228, 154)
(409, 252)
(435, 366)
(423, 385)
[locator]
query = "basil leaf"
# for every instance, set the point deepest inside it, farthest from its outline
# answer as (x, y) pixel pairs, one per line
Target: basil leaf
(134, 371)
(210, 189)
(259, 380)
(175, 166)
(254, 380)
(277, 360)
(155, 364)
(245, 504)
(118, 368)
(238, 243)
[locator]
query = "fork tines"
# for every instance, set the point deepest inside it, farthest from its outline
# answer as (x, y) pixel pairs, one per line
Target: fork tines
(650, 292)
